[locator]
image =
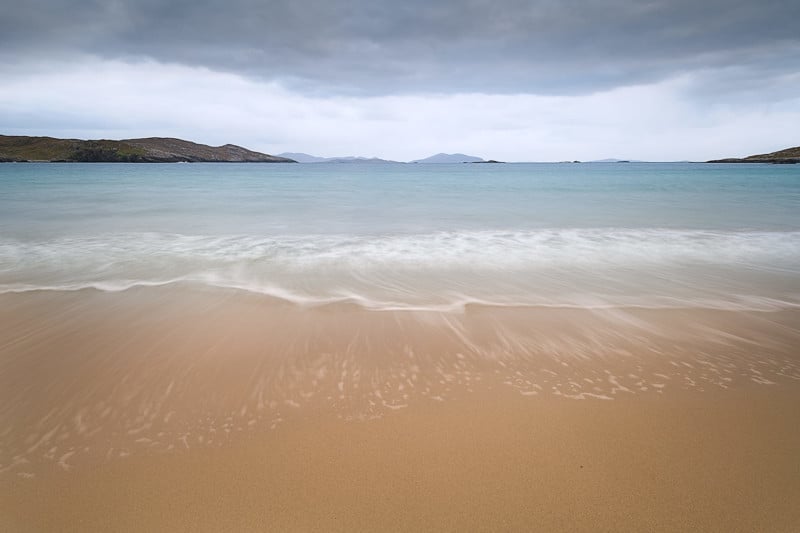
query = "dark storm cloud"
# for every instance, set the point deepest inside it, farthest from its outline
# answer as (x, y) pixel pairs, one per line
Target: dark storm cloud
(387, 46)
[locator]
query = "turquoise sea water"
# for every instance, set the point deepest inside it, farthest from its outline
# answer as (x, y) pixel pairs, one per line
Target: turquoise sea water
(432, 236)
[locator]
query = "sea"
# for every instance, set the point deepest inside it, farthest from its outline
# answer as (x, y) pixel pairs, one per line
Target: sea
(412, 236)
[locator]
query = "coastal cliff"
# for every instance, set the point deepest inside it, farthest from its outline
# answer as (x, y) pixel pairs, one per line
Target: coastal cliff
(148, 150)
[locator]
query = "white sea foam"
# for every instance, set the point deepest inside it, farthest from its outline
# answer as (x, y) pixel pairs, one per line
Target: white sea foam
(445, 270)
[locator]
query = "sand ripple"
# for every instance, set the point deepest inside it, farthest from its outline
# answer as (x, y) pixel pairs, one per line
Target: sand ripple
(92, 377)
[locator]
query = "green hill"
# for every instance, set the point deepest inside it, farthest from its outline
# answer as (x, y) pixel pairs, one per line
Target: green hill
(149, 150)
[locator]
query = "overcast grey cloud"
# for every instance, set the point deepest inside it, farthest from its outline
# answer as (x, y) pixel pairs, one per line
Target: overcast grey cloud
(505, 79)
(385, 47)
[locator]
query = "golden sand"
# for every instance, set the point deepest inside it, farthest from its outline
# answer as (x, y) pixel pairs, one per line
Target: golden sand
(188, 409)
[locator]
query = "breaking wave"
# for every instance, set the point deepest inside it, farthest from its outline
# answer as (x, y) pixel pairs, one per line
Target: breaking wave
(573, 267)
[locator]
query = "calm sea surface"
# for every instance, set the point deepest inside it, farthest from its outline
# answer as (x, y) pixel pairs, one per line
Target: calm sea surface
(433, 236)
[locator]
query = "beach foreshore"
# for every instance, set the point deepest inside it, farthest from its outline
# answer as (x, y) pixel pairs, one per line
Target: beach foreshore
(189, 408)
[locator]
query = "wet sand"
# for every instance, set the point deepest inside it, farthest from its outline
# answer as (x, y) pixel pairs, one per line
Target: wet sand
(192, 409)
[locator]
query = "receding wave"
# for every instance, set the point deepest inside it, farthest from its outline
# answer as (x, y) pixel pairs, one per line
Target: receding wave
(564, 267)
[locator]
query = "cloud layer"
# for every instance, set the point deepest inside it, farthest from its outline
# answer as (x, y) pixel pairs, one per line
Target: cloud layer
(388, 47)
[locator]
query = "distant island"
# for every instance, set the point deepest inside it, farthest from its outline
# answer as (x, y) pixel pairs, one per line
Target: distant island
(450, 158)
(301, 157)
(789, 156)
(149, 150)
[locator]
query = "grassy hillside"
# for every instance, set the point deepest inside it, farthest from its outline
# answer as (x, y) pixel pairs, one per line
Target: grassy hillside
(789, 153)
(787, 156)
(150, 150)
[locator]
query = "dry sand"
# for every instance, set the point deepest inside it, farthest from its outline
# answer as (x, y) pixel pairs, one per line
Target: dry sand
(188, 409)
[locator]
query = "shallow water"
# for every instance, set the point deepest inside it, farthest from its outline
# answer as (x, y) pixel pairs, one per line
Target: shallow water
(412, 236)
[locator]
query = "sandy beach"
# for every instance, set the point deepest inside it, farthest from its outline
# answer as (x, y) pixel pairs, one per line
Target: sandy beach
(187, 409)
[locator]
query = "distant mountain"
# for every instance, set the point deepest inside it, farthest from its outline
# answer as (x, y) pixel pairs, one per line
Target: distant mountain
(307, 158)
(149, 150)
(301, 157)
(787, 156)
(449, 158)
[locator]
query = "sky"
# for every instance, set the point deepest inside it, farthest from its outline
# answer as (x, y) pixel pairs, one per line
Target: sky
(514, 80)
